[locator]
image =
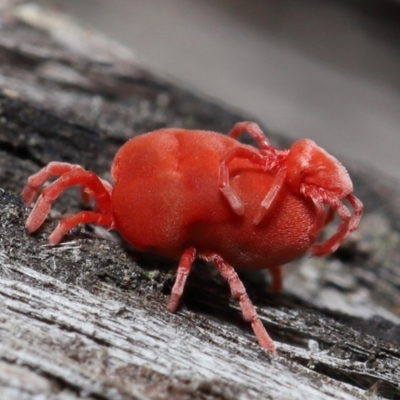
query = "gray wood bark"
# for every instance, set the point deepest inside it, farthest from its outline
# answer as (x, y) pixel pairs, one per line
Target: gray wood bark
(87, 319)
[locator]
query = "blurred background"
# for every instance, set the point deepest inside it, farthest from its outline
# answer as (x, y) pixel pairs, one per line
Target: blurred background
(324, 69)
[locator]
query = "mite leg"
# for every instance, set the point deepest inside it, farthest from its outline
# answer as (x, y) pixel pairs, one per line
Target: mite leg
(271, 196)
(86, 194)
(267, 152)
(255, 132)
(321, 215)
(330, 245)
(183, 271)
(358, 210)
(239, 292)
(81, 177)
(224, 186)
(35, 181)
(84, 217)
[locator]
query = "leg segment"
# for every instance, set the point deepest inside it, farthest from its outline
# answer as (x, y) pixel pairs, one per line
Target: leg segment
(321, 216)
(330, 245)
(267, 156)
(239, 292)
(255, 132)
(55, 168)
(183, 271)
(88, 180)
(84, 217)
(358, 210)
(35, 181)
(271, 195)
(86, 194)
(224, 186)
(240, 152)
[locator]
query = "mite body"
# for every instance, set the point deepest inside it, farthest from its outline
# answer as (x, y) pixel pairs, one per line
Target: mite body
(169, 180)
(197, 194)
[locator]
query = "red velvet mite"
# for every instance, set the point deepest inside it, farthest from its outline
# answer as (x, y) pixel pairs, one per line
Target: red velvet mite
(191, 194)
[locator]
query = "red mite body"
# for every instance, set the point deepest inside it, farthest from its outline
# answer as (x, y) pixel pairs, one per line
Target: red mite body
(179, 204)
(197, 194)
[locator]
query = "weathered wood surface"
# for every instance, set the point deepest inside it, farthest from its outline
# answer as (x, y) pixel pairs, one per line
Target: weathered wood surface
(87, 319)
